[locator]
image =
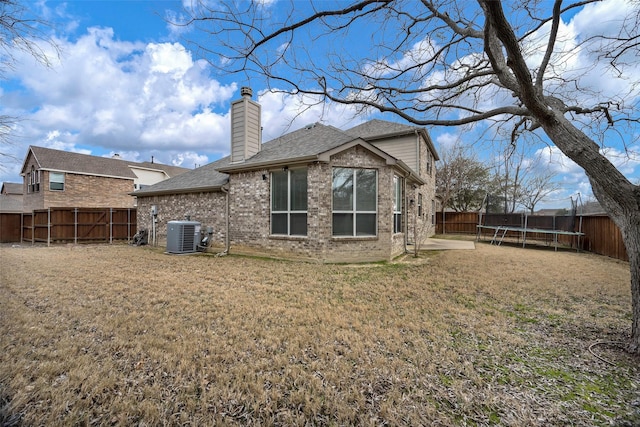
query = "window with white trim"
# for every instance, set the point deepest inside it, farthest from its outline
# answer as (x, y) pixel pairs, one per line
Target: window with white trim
(397, 204)
(33, 180)
(355, 206)
(289, 202)
(56, 181)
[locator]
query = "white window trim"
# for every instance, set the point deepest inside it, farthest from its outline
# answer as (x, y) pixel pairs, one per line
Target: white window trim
(63, 182)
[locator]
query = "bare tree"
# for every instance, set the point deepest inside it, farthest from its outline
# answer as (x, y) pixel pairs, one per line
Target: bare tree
(461, 179)
(20, 32)
(509, 172)
(537, 184)
(454, 63)
(521, 178)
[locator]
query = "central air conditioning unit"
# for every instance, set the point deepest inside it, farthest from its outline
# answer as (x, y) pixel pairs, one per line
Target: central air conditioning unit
(182, 236)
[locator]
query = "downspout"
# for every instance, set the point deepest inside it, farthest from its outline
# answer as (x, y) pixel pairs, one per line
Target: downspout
(227, 241)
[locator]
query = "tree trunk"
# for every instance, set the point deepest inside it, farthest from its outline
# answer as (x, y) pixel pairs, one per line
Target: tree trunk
(619, 197)
(630, 229)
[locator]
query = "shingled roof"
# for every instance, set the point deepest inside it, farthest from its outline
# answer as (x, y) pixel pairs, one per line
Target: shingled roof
(64, 161)
(204, 178)
(295, 146)
(12, 188)
(84, 164)
(299, 146)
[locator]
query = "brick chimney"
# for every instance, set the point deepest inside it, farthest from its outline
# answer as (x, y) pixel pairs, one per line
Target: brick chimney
(246, 130)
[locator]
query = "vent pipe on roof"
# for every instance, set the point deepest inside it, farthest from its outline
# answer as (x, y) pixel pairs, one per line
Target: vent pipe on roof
(246, 135)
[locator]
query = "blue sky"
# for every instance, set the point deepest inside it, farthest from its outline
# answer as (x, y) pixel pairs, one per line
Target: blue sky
(128, 83)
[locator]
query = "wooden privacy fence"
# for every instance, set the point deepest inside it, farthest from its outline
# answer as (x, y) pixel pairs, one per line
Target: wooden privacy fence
(10, 227)
(601, 234)
(79, 225)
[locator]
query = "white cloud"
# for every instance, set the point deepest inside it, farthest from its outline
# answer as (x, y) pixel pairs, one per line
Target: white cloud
(115, 95)
(447, 140)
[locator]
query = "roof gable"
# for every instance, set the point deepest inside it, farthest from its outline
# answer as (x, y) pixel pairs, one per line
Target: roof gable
(84, 164)
(11, 188)
(379, 129)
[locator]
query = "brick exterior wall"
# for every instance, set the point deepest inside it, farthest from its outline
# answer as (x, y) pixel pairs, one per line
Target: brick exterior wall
(89, 191)
(250, 208)
(208, 208)
(84, 191)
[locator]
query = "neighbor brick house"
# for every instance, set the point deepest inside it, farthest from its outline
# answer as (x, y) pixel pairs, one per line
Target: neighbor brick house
(55, 178)
(317, 193)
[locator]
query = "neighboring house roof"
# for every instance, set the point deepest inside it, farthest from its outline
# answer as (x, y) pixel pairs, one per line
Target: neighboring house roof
(12, 188)
(169, 170)
(84, 164)
(378, 129)
(313, 142)
(10, 203)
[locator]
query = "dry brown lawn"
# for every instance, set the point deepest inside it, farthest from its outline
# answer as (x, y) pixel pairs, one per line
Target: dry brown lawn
(120, 335)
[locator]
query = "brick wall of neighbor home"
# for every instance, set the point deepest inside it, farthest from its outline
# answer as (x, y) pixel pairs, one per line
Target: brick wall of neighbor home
(32, 201)
(208, 208)
(88, 191)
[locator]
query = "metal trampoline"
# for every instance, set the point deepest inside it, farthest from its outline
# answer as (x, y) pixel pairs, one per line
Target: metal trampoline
(533, 227)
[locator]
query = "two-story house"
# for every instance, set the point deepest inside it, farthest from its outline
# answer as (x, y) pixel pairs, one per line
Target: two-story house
(55, 178)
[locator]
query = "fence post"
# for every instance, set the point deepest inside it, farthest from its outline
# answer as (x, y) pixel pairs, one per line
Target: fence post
(75, 226)
(110, 225)
(48, 226)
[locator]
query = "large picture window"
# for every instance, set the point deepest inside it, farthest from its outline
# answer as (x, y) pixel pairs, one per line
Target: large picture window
(397, 204)
(355, 194)
(56, 181)
(289, 202)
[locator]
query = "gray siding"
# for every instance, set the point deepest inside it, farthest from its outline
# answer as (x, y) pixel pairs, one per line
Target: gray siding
(403, 148)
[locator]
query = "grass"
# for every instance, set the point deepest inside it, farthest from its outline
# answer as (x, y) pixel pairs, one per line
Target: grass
(119, 335)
